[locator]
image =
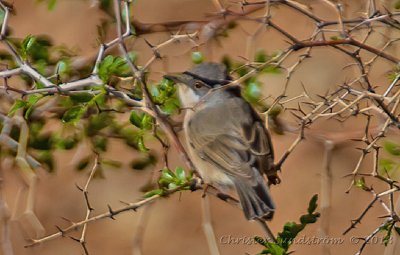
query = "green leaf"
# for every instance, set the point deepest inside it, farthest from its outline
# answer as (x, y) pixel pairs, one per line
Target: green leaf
(312, 206)
(386, 166)
(46, 158)
(152, 193)
(98, 122)
(167, 174)
(140, 164)
(26, 46)
(104, 67)
(392, 148)
(360, 183)
(81, 97)
(32, 100)
(172, 185)
(112, 163)
(180, 173)
(41, 142)
(51, 4)
(252, 91)
(271, 69)
(129, 135)
(112, 66)
(136, 119)
(100, 143)
(164, 95)
(107, 61)
(83, 163)
(397, 230)
(62, 67)
(67, 143)
(197, 57)
(147, 122)
(261, 56)
(144, 122)
(155, 92)
(388, 227)
(2, 14)
(29, 104)
(397, 4)
(171, 105)
(275, 111)
(167, 85)
(291, 229)
(18, 104)
(227, 61)
(141, 145)
(74, 114)
(132, 56)
(41, 66)
(260, 240)
(308, 219)
(336, 37)
(387, 238)
(28, 42)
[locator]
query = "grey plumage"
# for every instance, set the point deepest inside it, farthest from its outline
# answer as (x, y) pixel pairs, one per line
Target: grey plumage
(226, 139)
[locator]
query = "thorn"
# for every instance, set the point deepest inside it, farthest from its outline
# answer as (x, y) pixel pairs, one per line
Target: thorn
(123, 202)
(322, 97)
(60, 230)
(75, 239)
(347, 175)
(295, 47)
(154, 49)
(78, 187)
(68, 220)
(309, 104)
(301, 110)
(387, 11)
(112, 213)
(297, 116)
(148, 43)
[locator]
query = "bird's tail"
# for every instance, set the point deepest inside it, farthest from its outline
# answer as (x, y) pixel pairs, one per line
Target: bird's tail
(256, 200)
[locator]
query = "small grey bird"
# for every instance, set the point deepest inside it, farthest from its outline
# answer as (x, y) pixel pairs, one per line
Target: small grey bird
(226, 139)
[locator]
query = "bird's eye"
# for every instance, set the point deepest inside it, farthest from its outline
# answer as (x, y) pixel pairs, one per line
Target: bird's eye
(198, 84)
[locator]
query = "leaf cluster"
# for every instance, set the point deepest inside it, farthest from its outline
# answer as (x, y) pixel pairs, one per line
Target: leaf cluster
(170, 180)
(290, 231)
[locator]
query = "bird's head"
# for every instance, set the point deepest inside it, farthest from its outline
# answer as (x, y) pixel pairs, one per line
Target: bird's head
(196, 82)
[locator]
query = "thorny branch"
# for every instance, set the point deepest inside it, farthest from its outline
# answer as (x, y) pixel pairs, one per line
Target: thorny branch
(111, 213)
(89, 208)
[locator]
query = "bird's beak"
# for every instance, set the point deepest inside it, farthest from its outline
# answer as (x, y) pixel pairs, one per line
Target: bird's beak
(173, 78)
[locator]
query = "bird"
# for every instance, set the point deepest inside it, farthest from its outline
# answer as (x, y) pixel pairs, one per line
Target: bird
(226, 139)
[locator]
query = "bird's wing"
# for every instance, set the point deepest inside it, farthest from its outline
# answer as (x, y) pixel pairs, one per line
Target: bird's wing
(233, 138)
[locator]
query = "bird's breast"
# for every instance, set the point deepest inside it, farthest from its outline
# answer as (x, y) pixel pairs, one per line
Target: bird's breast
(208, 171)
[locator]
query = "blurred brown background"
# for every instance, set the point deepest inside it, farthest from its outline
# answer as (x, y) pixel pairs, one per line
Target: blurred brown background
(174, 225)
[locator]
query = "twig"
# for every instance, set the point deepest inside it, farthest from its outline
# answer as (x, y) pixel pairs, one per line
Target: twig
(326, 193)
(208, 227)
(89, 208)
